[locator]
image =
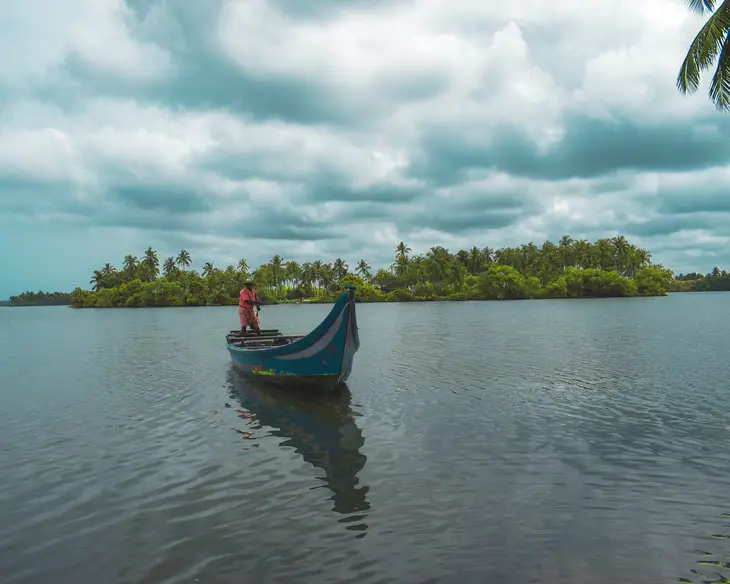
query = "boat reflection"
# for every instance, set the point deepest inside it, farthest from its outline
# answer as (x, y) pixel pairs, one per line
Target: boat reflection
(322, 429)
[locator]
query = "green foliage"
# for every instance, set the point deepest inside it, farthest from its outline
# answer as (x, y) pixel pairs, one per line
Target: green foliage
(716, 281)
(502, 283)
(710, 46)
(653, 281)
(41, 299)
(568, 269)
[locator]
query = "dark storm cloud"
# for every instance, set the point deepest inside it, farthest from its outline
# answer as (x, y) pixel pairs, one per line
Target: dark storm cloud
(382, 194)
(448, 221)
(159, 207)
(699, 199)
(590, 148)
(203, 78)
(262, 223)
(668, 225)
(480, 210)
(170, 197)
(318, 185)
(281, 223)
(29, 197)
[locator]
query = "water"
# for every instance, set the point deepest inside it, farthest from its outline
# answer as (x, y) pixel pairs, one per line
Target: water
(540, 441)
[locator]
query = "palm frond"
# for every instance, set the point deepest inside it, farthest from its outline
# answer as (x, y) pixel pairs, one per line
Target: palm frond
(701, 5)
(704, 49)
(720, 85)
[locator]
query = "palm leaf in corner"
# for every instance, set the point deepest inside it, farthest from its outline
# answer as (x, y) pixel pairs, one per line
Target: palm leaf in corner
(709, 46)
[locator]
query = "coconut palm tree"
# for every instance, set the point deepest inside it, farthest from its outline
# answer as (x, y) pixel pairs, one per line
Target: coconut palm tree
(363, 270)
(208, 269)
(151, 261)
(402, 250)
(243, 266)
(183, 259)
(169, 267)
(277, 270)
(130, 263)
(97, 281)
(339, 268)
(711, 44)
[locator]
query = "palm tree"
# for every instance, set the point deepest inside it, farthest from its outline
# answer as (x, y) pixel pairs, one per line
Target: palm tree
(476, 259)
(402, 250)
(183, 259)
(711, 44)
(363, 270)
(208, 269)
(130, 264)
(317, 271)
(169, 266)
(151, 261)
(307, 276)
(293, 273)
(108, 270)
(339, 268)
(243, 266)
(565, 246)
(277, 269)
(97, 281)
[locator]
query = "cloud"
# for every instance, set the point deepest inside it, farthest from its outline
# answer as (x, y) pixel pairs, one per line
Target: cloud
(337, 128)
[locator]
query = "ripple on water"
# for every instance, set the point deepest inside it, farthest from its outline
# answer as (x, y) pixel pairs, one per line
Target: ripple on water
(513, 442)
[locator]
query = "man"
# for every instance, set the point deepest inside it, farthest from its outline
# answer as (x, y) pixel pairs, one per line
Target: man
(246, 314)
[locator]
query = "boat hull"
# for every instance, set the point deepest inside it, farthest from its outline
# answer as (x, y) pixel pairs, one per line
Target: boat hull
(321, 359)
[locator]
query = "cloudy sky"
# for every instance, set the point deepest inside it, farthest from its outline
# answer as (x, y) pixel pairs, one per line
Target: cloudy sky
(326, 128)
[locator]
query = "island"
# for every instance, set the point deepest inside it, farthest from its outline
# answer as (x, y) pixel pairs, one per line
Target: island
(567, 269)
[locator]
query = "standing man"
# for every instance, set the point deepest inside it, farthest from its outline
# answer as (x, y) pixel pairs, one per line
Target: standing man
(246, 314)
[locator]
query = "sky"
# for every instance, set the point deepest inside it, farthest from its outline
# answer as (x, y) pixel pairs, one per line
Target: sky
(332, 128)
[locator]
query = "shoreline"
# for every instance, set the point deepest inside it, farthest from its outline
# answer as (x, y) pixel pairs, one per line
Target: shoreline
(363, 301)
(358, 301)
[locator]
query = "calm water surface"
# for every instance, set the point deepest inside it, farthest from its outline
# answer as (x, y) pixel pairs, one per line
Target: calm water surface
(512, 442)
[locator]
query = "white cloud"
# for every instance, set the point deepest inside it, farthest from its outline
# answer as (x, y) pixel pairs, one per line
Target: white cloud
(409, 69)
(41, 34)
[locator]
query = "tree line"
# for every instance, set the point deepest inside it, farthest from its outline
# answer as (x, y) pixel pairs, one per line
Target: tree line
(566, 269)
(41, 298)
(715, 281)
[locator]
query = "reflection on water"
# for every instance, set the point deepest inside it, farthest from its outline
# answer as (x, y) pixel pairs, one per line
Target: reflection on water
(321, 428)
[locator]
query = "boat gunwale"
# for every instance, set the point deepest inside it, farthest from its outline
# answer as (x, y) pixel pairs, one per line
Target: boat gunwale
(306, 341)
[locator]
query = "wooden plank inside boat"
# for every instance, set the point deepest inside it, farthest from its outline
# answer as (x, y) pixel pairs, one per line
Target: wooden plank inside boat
(261, 342)
(249, 333)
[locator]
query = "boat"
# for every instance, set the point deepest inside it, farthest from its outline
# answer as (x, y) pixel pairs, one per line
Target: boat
(322, 359)
(322, 429)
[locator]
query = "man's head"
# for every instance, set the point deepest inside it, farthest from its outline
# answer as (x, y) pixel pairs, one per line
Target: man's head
(248, 284)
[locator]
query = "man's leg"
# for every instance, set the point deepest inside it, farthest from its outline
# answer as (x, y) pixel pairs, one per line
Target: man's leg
(242, 319)
(254, 321)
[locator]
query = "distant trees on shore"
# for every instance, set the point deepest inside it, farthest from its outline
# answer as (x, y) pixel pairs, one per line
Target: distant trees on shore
(41, 298)
(567, 269)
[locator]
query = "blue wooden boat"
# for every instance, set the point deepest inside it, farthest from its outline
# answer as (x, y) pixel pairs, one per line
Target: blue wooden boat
(321, 359)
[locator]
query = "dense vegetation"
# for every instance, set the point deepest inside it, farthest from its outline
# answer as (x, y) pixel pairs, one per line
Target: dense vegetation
(569, 269)
(716, 281)
(41, 299)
